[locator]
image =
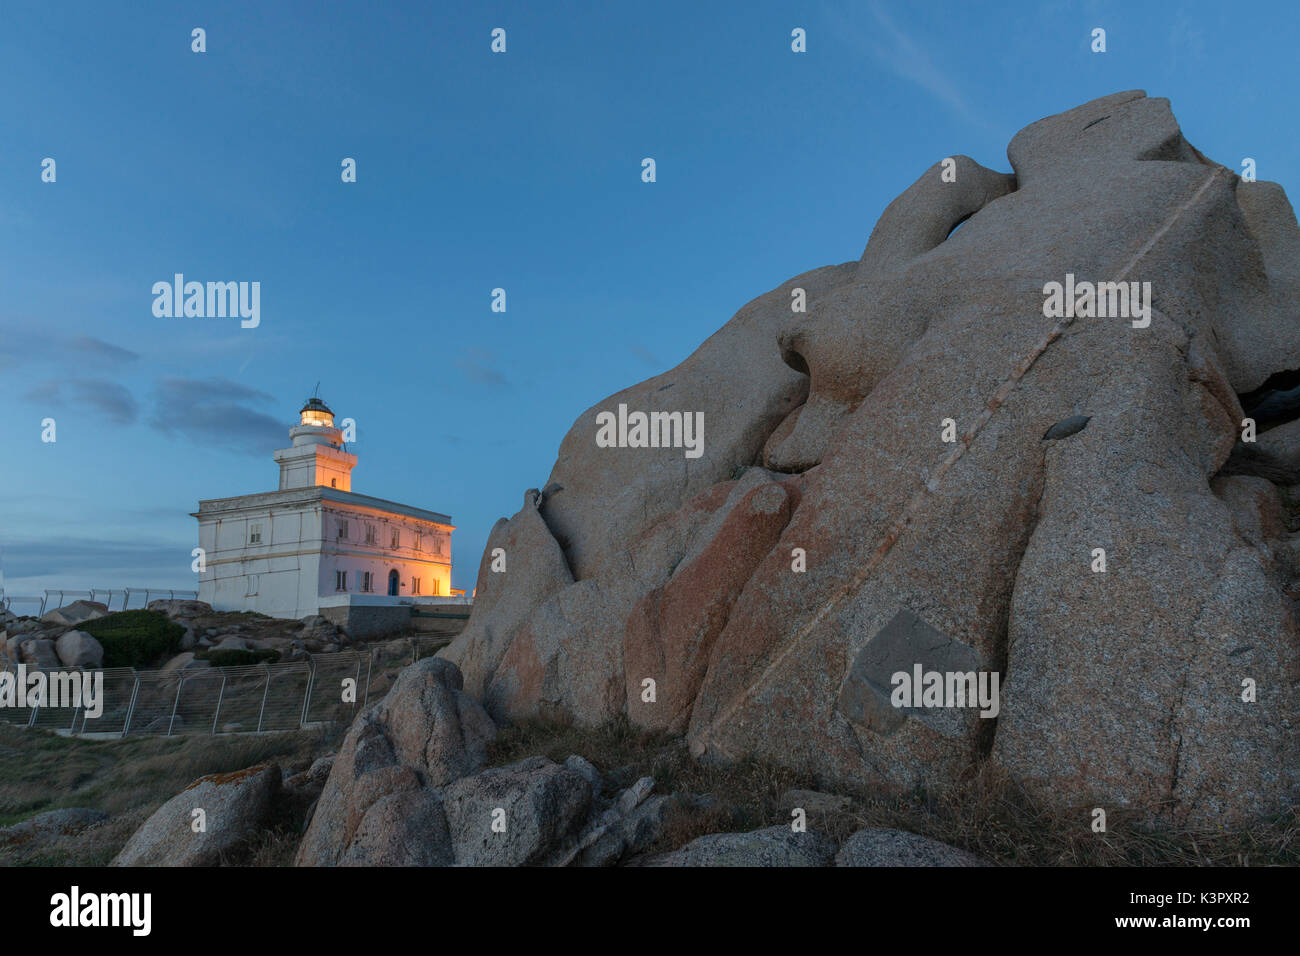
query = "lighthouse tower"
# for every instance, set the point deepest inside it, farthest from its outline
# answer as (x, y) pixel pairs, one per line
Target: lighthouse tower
(316, 456)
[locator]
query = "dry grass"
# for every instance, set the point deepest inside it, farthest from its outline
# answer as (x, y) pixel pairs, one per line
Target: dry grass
(988, 815)
(128, 779)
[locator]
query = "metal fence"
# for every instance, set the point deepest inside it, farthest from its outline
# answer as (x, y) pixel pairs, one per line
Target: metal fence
(126, 598)
(220, 700)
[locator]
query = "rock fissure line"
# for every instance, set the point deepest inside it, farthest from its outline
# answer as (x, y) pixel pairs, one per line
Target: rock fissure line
(931, 484)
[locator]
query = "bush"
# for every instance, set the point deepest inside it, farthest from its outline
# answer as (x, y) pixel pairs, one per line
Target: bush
(233, 657)
(135, 638)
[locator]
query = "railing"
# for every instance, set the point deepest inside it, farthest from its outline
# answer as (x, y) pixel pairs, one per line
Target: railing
(104, 595)
(257, 698)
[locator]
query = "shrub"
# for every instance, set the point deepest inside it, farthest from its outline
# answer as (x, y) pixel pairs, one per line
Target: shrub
(234, 657)
(135, 638)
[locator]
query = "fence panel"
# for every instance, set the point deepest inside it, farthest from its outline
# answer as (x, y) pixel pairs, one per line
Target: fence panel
(248, 699)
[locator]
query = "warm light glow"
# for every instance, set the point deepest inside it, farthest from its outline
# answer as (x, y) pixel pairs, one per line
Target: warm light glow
(312, 416)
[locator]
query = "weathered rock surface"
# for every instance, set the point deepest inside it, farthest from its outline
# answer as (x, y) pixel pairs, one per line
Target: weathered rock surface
(877, 846)
(52, 824)
(516, 815)
(235, 806)
(746, 583)
(75, 613)
(180, 608)
(424, 734)
(773, 846)
(38, 652)
(79, 649)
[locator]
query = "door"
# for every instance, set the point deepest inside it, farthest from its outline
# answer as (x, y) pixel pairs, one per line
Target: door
(392, 583)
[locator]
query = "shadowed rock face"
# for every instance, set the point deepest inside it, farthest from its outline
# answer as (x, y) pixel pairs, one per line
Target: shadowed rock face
(824, 432)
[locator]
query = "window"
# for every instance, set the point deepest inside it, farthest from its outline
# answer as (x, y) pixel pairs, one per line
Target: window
(365, 581)
(334, 482)
(370, 534)
(343, 529)
(254, 533)
(250, 585)
(340, 580)
(419, 541)
(437, 587)
(415, 585)
(397, 539)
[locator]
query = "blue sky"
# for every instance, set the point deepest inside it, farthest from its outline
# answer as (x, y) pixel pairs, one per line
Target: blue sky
(475, 171)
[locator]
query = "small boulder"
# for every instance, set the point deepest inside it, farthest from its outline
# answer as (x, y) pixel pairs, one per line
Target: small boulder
(53, 823)
(543, 803)
(79, 649)
(177, 608)
(75, 613)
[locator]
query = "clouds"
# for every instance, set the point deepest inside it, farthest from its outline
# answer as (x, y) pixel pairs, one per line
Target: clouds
(208, 411)
(897, 51)
(114, 402)
(217, 411)
(29, 343)
(474, 365)
(80, 562)
(99, 350)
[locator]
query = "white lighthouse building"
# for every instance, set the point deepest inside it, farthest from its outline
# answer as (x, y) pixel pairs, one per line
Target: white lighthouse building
(316, 547)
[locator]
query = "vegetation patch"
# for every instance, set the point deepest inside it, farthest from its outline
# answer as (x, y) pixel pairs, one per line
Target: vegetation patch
(234, 657)
(138, 639)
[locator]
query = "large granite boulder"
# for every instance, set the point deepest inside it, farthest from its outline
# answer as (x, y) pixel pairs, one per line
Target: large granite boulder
(921, 470)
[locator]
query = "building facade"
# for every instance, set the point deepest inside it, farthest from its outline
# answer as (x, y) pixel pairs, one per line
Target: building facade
(315, 546)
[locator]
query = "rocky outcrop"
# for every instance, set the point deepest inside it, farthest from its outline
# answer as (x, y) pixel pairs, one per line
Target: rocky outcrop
(922, 469)
(211, 817)
(424, 734)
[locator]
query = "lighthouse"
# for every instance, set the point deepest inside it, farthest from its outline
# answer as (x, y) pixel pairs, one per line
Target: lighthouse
(314, 546)
(317, 455)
